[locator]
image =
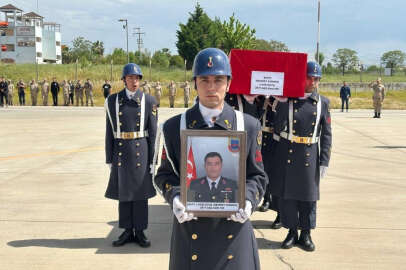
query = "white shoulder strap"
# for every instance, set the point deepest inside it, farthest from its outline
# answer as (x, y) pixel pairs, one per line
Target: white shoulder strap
(290, 134)
(106, 107)
(142, 120)
(183, 121)
(118, 135)
(317, 120)
(240, 120)
(240, 107)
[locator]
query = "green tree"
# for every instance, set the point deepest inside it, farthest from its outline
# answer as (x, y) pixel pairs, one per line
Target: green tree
(393, 59)
(234, 34)
(161, 59)
(119, 56)
(198, 33)
(321, 58)
(272, 45)
(98, 48)
(176, 61)
(67, 56)
(81, 48)
(345, 59)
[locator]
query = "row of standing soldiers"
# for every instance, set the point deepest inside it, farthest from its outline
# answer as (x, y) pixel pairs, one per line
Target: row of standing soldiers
(172, 90)
(70, 89)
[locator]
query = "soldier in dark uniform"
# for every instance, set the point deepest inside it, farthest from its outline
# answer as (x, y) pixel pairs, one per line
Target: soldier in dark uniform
(213, 187)
(302, 131)
(55, 91)
(130, 136)
(267, 119)
(244, 103)
(212, 243)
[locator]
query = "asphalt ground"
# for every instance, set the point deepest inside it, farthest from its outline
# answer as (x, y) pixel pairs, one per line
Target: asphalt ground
(53, 214)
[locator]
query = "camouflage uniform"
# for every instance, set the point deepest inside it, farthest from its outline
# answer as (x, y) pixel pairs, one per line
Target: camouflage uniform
(89, 92)
(186, 94)
(10, 92)
(172, 94)
(79, 93)
(66, 88)
(378, 97)
(158, 93)
(44, 93)
(146, 88)
(34, 92)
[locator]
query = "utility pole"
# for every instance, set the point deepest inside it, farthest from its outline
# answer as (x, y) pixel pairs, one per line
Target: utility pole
(318, 33)
(111, 70)
(126, 28)
(76, 70)
(140, 42)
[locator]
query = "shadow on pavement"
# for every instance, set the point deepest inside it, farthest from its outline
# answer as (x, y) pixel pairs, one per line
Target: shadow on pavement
(158, 232)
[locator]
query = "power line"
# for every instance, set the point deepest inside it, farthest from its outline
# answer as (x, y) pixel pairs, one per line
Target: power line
(140, 42)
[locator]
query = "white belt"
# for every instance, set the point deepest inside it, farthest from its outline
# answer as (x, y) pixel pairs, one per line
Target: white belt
(295, 139)
(131, 135)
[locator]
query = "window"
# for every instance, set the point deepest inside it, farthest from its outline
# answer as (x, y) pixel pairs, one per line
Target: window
(39, 54)
(58, 43)
(58, 57)
(38, 39)
(26, 42)
(10, 47)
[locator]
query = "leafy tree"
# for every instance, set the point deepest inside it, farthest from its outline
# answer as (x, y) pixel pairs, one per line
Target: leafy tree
(198, 33)
(393, 59)
(81, 48)
(272, 45)
(176, 61)
(329, 69)
(119, 56)
(98, 48)
(160, 59)
(321, 58)
(67, 56)
(345, 59)
(234, 34)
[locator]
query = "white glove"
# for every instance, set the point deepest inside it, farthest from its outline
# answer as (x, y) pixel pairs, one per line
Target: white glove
(323, 171)
(179, 211)
(109, 164)
(243, 214)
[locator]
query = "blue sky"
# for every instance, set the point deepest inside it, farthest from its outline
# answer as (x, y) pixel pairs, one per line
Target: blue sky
(369, 27)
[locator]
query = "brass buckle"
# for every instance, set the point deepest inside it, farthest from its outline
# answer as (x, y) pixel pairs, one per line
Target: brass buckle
(304, 140)
(127, 135)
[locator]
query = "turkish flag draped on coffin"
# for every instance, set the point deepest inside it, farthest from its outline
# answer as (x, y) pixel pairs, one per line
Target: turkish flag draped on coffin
(191, 168)
(268, 73)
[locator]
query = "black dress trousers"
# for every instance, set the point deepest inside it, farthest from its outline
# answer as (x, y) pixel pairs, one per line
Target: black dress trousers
(133, 215)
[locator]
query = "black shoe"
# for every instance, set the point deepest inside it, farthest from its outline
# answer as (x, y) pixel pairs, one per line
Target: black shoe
(379, 115)
(141, 239)
(277, 224)
(376, 115)
(264, 207)
(290, 240)
(305, 241)
(126, 237)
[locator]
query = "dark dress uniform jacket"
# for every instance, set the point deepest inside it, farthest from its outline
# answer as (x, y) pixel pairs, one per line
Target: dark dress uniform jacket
(212, 243)
(252, 109)
(225, 192)
(130, 177)
(295, 172)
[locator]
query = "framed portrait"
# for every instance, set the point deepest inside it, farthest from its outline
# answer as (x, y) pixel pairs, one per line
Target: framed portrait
(213, 172)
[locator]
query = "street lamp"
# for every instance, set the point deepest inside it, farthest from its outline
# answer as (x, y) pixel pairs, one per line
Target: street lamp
(126, 28)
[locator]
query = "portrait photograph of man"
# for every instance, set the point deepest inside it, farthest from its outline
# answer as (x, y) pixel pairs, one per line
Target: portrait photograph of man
(212, 173)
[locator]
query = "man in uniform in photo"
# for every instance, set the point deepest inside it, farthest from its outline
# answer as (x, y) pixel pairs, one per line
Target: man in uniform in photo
(213, 187)
(212, 243)
(131, 124)
(302, 148)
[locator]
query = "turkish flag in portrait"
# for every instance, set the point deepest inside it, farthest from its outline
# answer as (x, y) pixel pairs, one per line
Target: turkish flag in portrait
(191, 168)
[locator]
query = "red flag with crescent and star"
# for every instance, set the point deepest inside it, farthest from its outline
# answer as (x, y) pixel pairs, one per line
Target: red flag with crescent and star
(191, 168)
